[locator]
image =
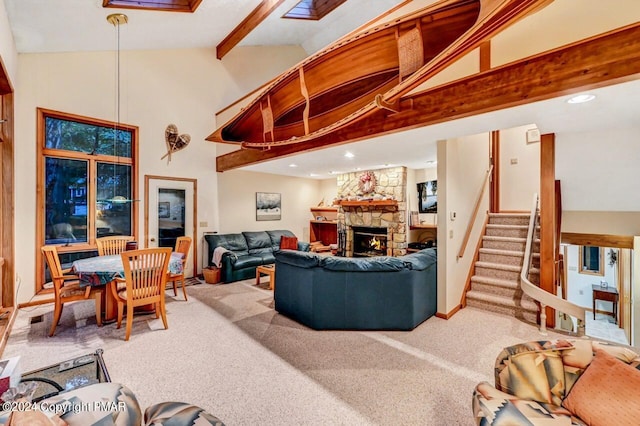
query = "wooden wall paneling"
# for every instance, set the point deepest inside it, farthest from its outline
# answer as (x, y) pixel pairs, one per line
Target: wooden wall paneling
(494, 185)
(599, 240)
(606, 59)
(485, 56)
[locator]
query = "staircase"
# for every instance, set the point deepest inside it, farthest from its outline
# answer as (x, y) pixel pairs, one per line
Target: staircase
(495, 284)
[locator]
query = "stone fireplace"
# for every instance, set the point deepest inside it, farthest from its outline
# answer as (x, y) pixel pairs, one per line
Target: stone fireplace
(375, 201)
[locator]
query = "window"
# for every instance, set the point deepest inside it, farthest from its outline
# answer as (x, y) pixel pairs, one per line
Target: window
(86, 185)
(591, 260)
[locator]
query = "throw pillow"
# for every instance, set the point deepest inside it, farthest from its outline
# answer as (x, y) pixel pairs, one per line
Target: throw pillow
(537, 376)
(607, 393)
(288, 243)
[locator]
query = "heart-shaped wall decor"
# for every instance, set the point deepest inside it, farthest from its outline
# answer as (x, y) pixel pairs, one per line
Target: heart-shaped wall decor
(175, 141)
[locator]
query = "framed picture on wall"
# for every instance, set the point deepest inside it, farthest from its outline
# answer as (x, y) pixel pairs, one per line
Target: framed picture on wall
(164, 209)
(428, 196)
(268, 206)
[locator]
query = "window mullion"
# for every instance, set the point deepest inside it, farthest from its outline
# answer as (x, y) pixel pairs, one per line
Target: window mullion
(92, 201)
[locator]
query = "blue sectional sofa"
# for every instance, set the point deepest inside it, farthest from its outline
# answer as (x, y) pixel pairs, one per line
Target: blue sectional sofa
(376, 293)
(246, 251)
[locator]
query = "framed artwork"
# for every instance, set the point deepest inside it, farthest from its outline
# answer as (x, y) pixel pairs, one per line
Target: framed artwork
(428, 197)
(164, 209)
(268, 206)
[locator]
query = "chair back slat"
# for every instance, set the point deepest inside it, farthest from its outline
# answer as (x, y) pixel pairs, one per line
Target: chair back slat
(183, 244)
(112, 245)
(53, 261)
(145, 272)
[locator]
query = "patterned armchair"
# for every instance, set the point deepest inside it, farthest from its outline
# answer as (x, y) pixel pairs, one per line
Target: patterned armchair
(533, 382)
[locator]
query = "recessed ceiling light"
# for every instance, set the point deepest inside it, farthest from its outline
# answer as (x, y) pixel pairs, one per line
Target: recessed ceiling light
(293, 165)
(313, 175)
(580, 99)
(333, 172)
(349, 154)
(358, 168)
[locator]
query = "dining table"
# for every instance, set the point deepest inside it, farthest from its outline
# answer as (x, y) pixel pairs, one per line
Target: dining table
(103, 271)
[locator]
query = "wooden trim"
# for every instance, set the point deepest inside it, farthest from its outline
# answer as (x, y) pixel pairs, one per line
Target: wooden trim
(547, 220)
(494, 188)
(606, 59)
(450, 313)
(166, 5)
(37, 302)
(7, 203)
(474, 214)
(600, 240)
(92, 160)
(194, 244)
(248, 24)
(5, 327)
(485, 56)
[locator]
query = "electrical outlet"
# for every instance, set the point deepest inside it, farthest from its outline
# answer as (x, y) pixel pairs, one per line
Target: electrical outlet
(451, 233)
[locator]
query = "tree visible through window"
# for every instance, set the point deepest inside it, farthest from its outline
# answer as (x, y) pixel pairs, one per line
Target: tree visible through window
(87, 184)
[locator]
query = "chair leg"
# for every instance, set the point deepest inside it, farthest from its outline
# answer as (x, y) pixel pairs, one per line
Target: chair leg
(163, 313)
(129, 321)
(175, 292)
(184, 290)
(120, 309)
(57, 313)
(98, 297)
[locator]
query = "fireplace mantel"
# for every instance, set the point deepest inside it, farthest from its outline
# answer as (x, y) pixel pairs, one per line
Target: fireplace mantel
(367, 203)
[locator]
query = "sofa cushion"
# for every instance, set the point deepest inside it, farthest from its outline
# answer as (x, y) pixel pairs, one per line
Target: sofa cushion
(178, 413)
(232, 242)
(374, 264)
(258, 242)
(276, 236)
(421, 260)
(298, 258)
(607, 393)
(288, 243)
(247, 261)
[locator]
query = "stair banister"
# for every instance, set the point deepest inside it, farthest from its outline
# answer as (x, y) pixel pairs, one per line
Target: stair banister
(542, 296)
(472, 219)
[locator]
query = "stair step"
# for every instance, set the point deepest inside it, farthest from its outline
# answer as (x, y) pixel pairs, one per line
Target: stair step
(507, 257)
(513, 231)
(494, 285)
(509, 218)
(504, 243)
(498, 270)
(524, 308)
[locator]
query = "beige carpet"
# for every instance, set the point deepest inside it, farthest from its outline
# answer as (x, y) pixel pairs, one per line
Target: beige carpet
(228, 351)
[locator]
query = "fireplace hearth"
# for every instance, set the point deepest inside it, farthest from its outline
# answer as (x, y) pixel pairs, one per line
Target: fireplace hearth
(369, 241)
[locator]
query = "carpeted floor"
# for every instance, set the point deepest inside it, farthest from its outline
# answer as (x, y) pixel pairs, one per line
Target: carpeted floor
(228, 351)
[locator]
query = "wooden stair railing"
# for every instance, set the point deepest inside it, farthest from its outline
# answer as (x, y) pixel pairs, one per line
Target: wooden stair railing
(472, 219)
(542, 296)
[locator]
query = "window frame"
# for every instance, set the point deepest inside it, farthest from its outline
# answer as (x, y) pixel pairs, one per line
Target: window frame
(93, 160)
(600, 271)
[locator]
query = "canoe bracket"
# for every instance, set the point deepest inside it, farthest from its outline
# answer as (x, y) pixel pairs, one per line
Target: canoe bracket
(395, 106)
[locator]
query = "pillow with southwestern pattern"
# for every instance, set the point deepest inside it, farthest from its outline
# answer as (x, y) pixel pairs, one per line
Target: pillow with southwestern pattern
(537, 376)
(288, 243)
(607, 393)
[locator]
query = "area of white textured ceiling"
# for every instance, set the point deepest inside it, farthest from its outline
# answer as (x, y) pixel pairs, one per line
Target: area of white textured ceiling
(80, 25)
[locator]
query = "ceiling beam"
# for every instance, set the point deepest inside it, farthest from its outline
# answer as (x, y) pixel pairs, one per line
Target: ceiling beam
(248, 24)
(603, 60)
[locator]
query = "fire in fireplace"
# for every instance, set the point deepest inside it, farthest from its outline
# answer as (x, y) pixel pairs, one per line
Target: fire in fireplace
(369, 241)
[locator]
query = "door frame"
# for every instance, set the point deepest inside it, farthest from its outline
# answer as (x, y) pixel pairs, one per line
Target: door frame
(194, 231)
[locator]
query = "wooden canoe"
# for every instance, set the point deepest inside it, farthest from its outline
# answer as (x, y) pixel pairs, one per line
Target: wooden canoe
(373, 69)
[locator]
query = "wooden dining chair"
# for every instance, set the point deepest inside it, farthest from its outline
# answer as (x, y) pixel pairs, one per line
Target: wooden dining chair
(182, 246)
(112, 245)
(66, 288)
(145, 276)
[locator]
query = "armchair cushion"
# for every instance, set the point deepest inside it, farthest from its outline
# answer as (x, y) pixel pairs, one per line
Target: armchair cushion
(607, 393)
(178, 413)
(537, 376)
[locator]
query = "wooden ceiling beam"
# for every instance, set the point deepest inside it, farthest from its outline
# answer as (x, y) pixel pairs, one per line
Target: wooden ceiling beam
(603, 60)
(248, 24)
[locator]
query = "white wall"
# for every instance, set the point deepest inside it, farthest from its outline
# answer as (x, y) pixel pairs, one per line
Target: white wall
(462, 167)
(186, 91)
(579, 285)
(328, 191)
(237, 202)
(519, 169)
(598, 172)
(8, 53)
(415, 176)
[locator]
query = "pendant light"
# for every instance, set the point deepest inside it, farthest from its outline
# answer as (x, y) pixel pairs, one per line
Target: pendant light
(117, 19)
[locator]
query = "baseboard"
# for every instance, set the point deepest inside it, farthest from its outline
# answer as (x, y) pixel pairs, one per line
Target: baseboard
(450, 313)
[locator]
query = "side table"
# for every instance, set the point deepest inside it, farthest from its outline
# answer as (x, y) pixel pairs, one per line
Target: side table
(607, 294)
(269, 270)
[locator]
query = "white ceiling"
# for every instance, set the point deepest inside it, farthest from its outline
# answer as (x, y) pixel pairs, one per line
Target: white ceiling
(80, 25)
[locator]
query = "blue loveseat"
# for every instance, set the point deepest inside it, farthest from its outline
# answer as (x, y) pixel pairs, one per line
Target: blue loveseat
(247, 251)
(376, 293)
